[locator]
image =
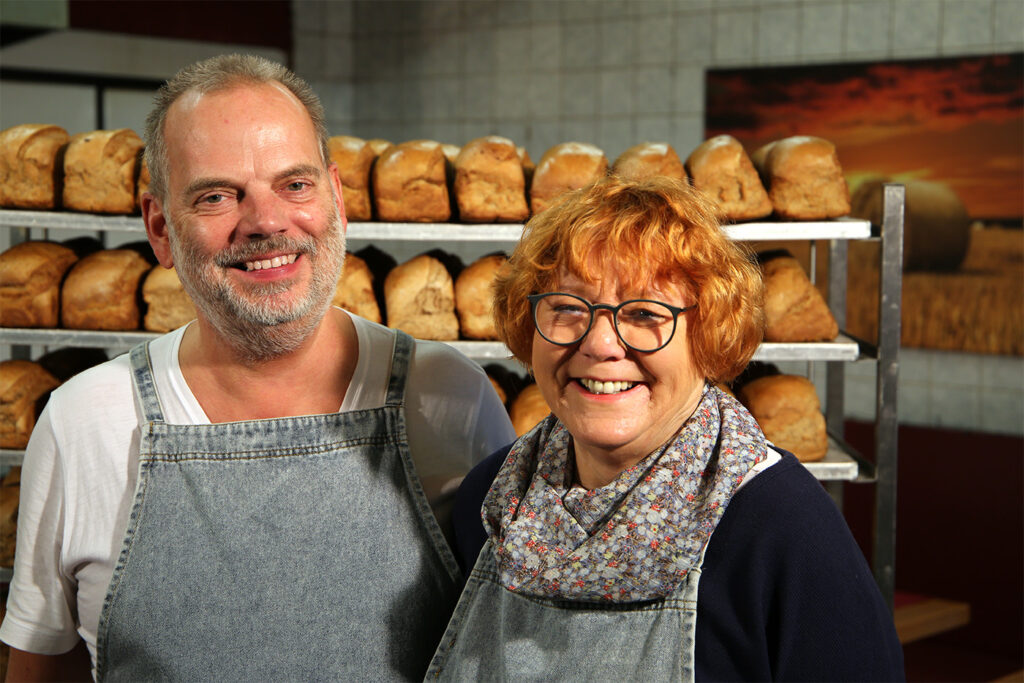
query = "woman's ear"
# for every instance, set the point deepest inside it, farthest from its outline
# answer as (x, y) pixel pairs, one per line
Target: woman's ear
(157, 229)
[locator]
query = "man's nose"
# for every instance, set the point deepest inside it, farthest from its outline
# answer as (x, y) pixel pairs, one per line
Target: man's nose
(261, 214)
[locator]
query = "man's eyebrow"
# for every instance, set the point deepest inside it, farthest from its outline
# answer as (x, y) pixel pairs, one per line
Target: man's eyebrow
(311, 170)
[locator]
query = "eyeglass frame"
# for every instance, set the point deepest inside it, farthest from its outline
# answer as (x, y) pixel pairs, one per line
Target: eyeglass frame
(676, 311)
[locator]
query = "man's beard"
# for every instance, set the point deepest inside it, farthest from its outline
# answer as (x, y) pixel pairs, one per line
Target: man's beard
(257, 324)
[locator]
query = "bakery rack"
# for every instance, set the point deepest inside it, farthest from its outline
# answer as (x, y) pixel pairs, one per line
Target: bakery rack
(841, 464)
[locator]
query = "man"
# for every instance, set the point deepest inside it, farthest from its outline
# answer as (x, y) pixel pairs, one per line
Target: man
(202, 508)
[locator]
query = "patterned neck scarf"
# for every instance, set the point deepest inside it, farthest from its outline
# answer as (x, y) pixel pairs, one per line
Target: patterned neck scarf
(633, 539)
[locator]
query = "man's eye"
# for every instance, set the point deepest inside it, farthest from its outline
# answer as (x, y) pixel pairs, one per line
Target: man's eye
(297, 186)
(212, 199)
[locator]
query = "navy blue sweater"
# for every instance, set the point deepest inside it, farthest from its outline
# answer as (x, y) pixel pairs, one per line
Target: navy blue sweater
(785, 593)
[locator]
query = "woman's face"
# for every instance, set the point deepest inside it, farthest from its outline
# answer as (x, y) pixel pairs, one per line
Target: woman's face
(650, 395)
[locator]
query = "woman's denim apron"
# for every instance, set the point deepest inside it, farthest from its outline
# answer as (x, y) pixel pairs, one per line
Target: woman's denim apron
(496, 634)
(299, 548)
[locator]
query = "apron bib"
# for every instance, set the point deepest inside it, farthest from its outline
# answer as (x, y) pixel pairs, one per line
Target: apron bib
(298, 548)
(496, 634)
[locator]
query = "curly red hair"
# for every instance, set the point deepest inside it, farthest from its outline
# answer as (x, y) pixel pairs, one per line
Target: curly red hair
(648, 234)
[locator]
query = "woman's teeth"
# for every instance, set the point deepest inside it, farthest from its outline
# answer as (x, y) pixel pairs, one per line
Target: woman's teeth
(598, 387)
(270, 262)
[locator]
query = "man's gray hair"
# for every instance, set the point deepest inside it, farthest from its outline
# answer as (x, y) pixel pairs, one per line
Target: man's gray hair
(211, 75)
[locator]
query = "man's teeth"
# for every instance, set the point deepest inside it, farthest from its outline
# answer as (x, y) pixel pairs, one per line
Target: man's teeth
(270, 262)
(598, 387)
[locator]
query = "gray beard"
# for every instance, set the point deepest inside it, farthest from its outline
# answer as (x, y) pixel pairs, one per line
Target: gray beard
(256, 327)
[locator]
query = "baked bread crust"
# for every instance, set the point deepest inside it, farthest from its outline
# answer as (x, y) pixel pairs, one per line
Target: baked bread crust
(22, 384)
(803, 178)
(101, 291)
(168, 305)
(789, 413)
(419, 297)
(794, 309)
(474, 297)
(100, 170)
(30, 165)
(647, 160)
(527, 409)
(354, 292)
(490, 184)
(30, 283)
(565, 167)
(410, 183)
(354, 158)
(721, 169)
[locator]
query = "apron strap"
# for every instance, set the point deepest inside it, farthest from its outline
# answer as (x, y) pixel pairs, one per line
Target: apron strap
(145, 386)
(399, 369)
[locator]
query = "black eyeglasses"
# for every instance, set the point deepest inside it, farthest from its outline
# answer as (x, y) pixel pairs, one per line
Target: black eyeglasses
(643, 325)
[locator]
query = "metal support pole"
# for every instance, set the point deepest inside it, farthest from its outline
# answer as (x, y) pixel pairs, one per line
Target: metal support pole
(886, 416)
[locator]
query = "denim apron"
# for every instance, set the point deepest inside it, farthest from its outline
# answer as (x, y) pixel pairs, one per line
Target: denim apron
(496, 634)
(298, 548)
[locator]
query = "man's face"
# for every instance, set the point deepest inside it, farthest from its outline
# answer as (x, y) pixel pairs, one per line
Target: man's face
(257, 233)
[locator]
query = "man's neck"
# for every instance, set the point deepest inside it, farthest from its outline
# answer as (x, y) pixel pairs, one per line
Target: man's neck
(310, 380)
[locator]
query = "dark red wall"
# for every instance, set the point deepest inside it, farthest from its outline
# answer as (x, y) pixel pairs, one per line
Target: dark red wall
(265, 23)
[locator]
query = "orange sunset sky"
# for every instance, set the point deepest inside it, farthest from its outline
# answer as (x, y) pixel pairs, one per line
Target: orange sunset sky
(959, 120)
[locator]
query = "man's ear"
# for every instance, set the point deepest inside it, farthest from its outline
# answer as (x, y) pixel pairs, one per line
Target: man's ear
(157, 229)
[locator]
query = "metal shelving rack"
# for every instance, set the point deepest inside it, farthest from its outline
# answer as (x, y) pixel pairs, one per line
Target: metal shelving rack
(841, 464)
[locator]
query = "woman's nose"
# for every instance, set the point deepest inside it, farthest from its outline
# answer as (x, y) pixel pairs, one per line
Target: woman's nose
(602, 341)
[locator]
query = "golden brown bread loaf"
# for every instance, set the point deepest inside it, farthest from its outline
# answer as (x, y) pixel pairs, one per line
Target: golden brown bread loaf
(721, 169)
(490, 186)
(474, 298)
(794, 309)
(410, 183)
(378, 145)
(30, 282)
(527, 409)
(101, 292)
(10, 493)
(22, 385)
(168, 305)
(565, 167)
(649, 159)
(803, 178)
(355, 289)
(31, 165)
(100, 170)
(787, 408)
(420, 299)
(354, 158)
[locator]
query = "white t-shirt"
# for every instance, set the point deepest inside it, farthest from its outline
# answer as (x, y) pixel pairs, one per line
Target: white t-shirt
(81, 465)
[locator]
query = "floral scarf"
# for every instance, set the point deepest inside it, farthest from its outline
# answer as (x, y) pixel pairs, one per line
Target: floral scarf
(633, 539)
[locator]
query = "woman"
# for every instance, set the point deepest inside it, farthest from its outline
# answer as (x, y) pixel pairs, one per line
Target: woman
(646, 529)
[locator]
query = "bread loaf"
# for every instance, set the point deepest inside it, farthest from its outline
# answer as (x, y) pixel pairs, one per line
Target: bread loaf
(10, 494)
(490, 186)
(474, 298)
(31, 166)
(378, 145)
(721, 169)
(527, 409)
(795, 311)
(420, 299)
(355, 289)
(354, 158)
(30, 283)
(804, 178)
(168, 305)
(23, 385)
(100, 170)
(647, 160)
(409, 183)
(102, 290)
(142, 185)
(787, 409)
(565, 167)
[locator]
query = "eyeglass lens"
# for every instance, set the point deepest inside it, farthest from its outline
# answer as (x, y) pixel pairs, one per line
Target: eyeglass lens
(643, 325)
